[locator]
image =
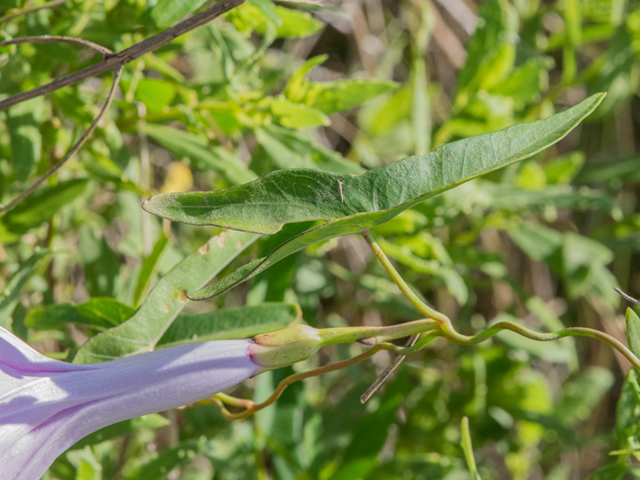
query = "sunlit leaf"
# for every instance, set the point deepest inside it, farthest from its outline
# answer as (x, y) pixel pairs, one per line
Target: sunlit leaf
(349, 203)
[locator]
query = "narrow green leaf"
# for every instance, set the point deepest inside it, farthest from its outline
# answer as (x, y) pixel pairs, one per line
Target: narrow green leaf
(295, 23)
(26, 140)
(155, 94)
(143, 330)
(97, 312)
(452, 279)
(266, 204)
(353, 203)
(341, 95)
(148, 266)
(10, 297)
(289, 150)
(226, 323)
(467, 448)
(499, 20)
(38, 208)
(87, 466)
(171, 458)
(614, 471)
(370, 435)
(627, 419)
(297, 115)
(268, 9)
(202, 155)
(633, 332)
(297, 86)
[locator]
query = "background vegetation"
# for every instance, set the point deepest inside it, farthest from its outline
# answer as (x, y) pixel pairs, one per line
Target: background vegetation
(343, 87)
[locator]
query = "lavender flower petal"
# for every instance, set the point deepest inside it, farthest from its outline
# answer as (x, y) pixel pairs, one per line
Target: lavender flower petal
(46, 406)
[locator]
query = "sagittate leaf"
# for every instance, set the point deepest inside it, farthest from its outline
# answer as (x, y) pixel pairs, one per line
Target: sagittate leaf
(143, 330)
(353, 203)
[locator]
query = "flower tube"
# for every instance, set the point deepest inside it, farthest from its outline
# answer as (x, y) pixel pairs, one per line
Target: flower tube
(47, 405)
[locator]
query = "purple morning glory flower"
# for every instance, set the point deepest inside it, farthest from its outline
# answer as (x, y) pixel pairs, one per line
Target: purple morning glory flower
(46, 405)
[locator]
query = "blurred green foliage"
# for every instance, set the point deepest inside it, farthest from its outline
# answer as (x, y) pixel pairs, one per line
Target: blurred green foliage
(341, 88)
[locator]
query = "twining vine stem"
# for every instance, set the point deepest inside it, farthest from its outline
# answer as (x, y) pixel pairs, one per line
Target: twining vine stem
(435, 325)
(450, 333)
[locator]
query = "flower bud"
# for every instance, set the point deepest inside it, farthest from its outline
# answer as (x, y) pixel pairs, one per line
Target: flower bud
(285, 347)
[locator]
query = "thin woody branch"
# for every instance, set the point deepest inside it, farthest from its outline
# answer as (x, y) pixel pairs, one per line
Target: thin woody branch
(26, 11)
(74, 149)
(118, 60)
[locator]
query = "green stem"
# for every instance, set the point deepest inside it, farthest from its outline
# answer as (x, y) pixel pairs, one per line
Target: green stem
(374, 335)
(422, 307)
(542, 337)
(467, 448)
(446, 329)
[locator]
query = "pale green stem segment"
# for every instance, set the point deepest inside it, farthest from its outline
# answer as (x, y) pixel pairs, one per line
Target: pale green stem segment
(467, 448)
(423, 308)
(375, 335)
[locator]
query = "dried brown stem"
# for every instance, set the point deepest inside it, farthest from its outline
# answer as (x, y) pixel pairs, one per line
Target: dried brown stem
(118, 60)
(27, 11)
(74, 149)
(387, 371)
(57, 39)
(626, 296)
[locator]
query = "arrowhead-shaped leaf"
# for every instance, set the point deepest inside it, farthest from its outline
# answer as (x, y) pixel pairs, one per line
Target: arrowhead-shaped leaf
(353, 203)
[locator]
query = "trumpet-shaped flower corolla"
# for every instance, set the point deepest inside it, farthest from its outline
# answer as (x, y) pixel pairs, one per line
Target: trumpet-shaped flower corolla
(46, 405)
